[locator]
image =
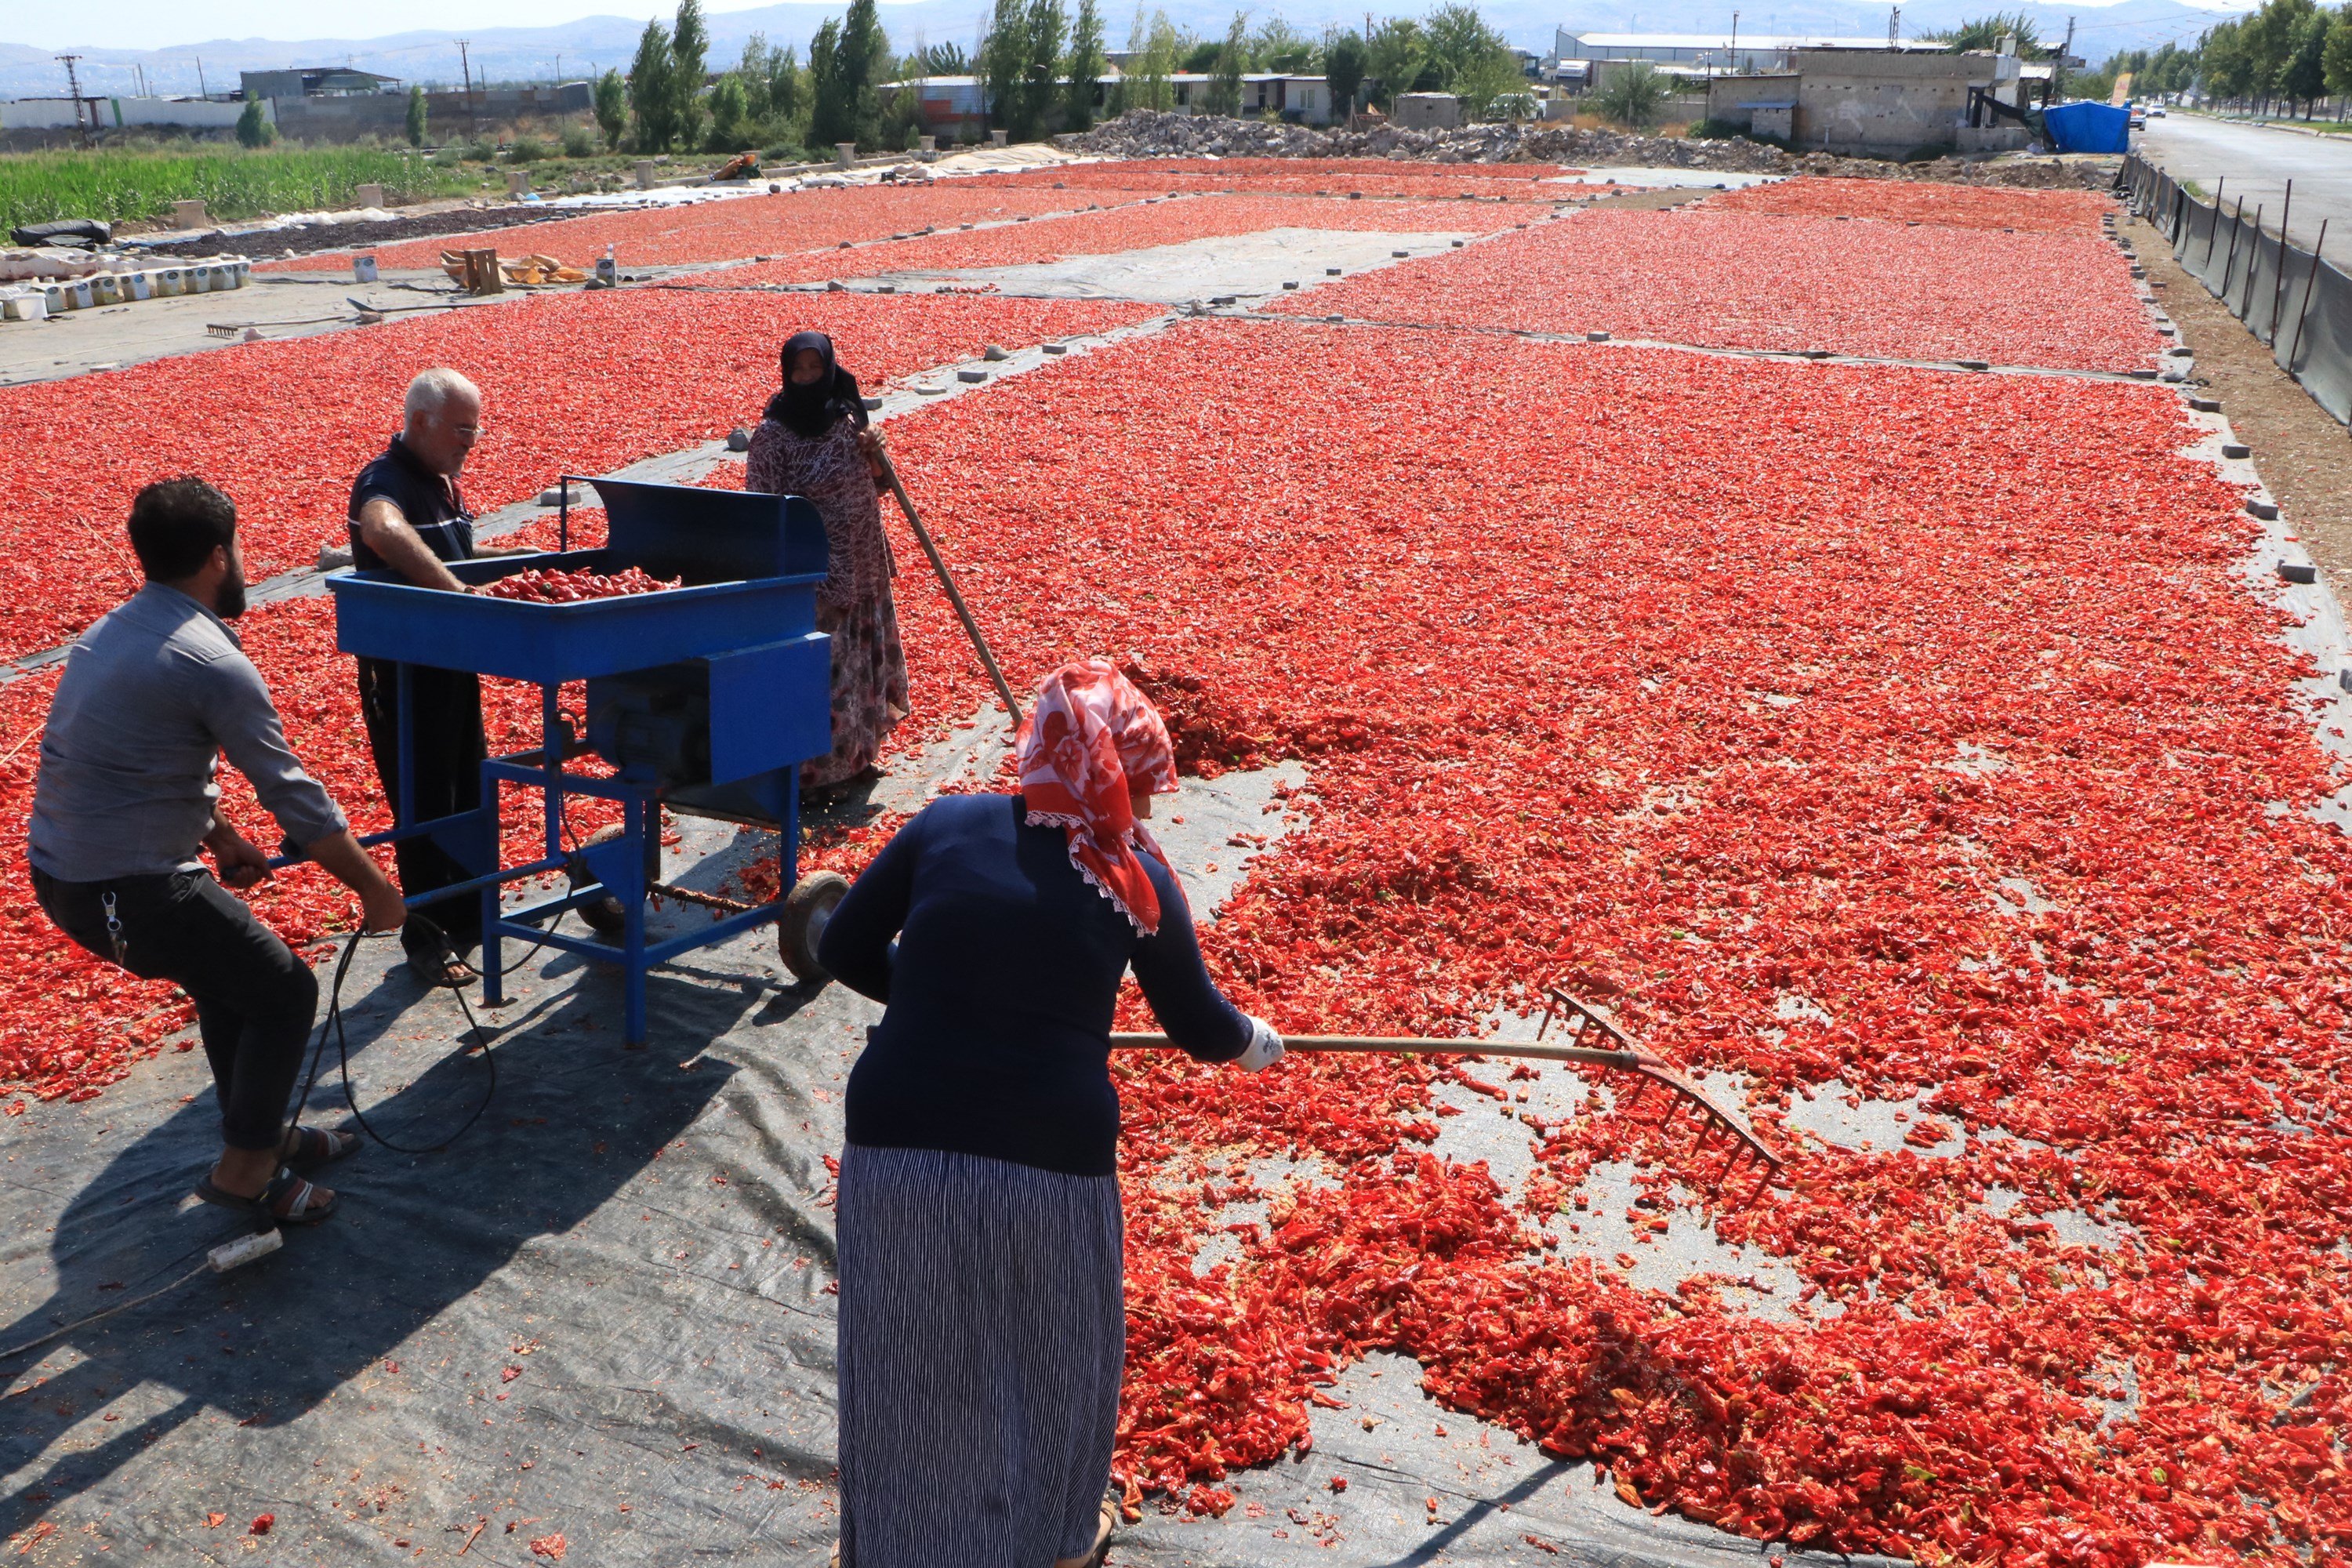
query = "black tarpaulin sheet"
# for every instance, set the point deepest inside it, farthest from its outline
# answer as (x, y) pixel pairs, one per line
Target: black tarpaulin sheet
(604, 1314)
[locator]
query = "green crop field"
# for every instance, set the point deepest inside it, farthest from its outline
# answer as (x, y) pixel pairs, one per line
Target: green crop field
(233, 183)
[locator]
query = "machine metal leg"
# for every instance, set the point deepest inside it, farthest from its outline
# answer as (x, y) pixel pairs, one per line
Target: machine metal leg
(633, 937)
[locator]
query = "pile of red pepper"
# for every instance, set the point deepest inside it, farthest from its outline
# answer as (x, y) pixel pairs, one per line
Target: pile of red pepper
(1129, 228)
(1925, 202)
(1743, 696)
(1849, 730)
(546, 587)
(1337, 177)
(577, 383)
(724, 231)
(1738, 279)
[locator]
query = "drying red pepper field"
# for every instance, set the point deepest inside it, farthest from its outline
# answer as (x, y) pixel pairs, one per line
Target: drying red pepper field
(1873, 734)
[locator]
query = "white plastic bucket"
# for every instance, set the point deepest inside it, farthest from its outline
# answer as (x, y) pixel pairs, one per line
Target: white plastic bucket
(170, 281)
(363, 269)
(138, 285)
(84, 296)
(107, 287)
(56, 297)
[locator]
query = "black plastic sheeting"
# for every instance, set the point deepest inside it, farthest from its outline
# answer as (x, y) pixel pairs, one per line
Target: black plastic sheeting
(605, 1314)
(2297, 303)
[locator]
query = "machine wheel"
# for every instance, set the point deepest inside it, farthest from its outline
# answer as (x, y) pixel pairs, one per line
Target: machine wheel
(605, 917)
(811, 904)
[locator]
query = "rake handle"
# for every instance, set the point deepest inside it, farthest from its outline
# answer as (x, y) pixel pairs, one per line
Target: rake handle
(947, 580)
(1421, 1045)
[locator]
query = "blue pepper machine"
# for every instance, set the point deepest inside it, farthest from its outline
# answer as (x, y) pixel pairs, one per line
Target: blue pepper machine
(704, 699)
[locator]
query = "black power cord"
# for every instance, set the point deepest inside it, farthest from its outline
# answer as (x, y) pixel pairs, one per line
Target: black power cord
(335, 1021)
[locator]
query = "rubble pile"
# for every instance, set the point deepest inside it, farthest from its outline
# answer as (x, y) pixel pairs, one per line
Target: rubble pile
(1147, 133)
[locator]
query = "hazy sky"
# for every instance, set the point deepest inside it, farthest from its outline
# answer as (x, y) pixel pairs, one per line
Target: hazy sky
(146, 24)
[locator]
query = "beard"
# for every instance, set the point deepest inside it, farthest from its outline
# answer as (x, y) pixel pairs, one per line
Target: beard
(229, 603)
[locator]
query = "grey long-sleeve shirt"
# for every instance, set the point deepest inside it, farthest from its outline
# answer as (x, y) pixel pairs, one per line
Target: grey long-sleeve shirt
(152, 697)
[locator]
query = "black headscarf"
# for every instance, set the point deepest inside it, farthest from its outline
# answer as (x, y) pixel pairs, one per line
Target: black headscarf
(811, 409)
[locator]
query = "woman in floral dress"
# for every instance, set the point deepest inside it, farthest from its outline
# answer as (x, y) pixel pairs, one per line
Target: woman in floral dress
(813, 441)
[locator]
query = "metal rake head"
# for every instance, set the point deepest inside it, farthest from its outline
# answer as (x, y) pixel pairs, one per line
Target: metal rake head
(1587, 1026)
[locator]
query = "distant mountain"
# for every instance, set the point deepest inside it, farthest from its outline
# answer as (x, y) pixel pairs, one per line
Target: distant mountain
(593, 43)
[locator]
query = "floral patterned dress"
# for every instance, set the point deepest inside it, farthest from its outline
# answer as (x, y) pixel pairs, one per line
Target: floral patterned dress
(854, 606)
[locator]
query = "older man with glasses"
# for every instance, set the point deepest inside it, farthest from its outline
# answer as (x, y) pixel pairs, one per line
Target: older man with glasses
(409, 517)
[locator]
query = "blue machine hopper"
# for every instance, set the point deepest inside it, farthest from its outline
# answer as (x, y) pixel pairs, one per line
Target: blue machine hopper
(705, 699)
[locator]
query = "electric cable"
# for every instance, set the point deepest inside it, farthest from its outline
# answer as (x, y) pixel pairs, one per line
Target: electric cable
(335, 1021)
(220, 1260)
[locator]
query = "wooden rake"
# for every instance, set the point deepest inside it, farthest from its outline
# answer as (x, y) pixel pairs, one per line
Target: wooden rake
(1584, 1027)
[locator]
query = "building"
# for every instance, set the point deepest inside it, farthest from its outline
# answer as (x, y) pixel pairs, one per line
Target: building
(1712, 51)
(1426, 111)
(955, 108)
(314, 81)
(1880, 102)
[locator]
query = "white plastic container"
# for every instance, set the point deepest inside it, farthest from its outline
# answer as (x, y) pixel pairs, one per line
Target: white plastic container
(138, 285)
(84, 296)
(57, 297)
(363, 269)
(200, 280)
(25, 305)
(107, 287)
(240, 273)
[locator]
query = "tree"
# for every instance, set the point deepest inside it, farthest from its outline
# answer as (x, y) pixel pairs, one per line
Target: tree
(864, 56)
(832, 106)
(1045, 24)
(1224, 95)
(252, 129)
(2335, 59)
(788, 91)
(649, 90)
(1394, 56)
(1458, 37)
(730, 115)
(611, 107)
(752, 71)
(1279, 46)
(1630, 93)
(1153, 69)
(689, 46)
(2304, 77)
(2269, 37)
(1343, 68)
(1086, 65)
(1984, 33)
(416, 125)
(1003, 51)
(2229, 69)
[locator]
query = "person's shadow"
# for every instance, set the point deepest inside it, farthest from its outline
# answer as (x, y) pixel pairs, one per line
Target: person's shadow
(573, 1118)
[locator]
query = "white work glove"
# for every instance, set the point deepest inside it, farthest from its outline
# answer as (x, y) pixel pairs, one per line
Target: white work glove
(1265, 1047)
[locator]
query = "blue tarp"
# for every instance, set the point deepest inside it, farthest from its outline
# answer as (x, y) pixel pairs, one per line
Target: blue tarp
(2088, 128)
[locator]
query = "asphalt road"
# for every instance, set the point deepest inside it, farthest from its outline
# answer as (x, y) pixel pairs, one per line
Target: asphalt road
(2256, 161)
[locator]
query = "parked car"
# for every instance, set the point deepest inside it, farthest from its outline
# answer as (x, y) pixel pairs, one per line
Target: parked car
(2138, 120)
(2156, 111)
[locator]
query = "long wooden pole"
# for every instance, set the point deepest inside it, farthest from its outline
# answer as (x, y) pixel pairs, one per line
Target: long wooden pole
(955, 595)
(2214, 233)
(1411, 1044)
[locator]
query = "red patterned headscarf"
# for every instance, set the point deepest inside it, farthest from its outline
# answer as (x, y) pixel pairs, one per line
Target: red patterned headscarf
(1091, 741)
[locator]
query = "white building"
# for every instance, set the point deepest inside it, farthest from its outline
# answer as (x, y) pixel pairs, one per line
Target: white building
(1716, 51)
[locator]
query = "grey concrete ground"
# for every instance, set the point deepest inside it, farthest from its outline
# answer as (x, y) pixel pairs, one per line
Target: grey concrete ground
(2256, 161)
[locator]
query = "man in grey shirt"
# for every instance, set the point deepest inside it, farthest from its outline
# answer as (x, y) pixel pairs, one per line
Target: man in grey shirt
(151, 697)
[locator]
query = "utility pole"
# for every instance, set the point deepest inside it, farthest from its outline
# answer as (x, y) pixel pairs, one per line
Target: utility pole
(2058, 71)
(1893, 27)
(466, 70)
(73, 85)
(201, 90)
(1735, 43)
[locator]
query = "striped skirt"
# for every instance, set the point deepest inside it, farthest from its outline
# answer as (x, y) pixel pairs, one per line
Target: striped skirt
(983, 1332)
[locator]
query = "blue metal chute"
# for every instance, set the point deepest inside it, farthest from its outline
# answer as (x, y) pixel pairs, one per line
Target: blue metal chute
(704, 699)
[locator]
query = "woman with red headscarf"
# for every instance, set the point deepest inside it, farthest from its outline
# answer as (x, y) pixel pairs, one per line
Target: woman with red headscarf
(982, 1325)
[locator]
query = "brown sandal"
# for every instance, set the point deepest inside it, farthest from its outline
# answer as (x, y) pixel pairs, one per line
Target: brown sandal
(315, 1146)
(285, 1201)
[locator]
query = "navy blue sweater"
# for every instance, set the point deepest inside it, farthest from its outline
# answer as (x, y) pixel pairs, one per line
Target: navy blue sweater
(1000, 988)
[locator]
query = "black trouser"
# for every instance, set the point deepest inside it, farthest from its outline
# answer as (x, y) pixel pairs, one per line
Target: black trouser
(446, 711)
(255, 1000)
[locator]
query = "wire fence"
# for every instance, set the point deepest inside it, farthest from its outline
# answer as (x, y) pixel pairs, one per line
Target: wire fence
(2290, 299)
